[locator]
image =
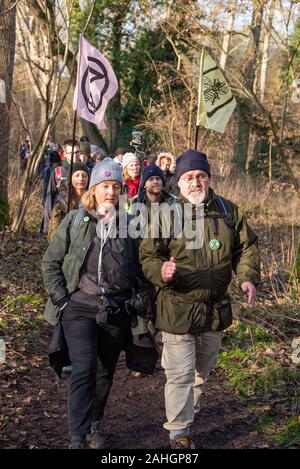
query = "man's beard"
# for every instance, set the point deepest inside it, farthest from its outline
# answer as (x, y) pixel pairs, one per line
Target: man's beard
(197, 198)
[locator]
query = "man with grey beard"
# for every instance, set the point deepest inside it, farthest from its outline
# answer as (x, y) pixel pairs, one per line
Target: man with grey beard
(193, 307)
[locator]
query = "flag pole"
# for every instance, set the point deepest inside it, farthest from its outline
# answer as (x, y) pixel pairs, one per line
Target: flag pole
(199, 96)
(196, 137)
(71, 165)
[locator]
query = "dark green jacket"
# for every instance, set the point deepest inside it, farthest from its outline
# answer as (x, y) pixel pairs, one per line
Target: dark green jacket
(64, 257)
(204, 273)
(141, 198)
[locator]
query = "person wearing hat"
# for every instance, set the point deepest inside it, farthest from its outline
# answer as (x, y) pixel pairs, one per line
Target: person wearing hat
(192, 305)
(166, 162)
(151, 191)
(90, 274)
(86, 154)
(131, 173)
(79, 184)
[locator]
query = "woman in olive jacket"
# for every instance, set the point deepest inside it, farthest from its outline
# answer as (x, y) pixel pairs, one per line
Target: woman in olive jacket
(90, 273)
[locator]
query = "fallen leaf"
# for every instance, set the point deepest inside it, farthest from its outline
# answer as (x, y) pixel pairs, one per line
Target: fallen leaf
(27, 400)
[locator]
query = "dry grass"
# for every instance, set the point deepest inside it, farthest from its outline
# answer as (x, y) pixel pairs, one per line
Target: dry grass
(34, 210)
(274, 212)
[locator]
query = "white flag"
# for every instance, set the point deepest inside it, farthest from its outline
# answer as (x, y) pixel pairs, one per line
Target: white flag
(96, 84)
(215, 101)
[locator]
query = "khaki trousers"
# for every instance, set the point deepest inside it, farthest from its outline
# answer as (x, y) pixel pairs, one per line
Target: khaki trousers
(187, 361)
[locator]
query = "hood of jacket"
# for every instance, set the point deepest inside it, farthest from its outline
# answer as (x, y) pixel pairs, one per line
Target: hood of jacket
(165, 154)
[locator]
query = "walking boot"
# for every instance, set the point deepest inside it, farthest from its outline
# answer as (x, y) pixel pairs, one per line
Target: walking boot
(96, 439)
(182, 442)
(76, 444)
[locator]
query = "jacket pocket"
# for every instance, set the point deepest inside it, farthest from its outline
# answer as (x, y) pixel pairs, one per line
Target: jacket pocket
(180, 314)
(221, 314)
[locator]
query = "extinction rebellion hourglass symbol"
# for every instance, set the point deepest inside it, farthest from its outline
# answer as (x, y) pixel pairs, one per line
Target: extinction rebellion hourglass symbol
(95, 83)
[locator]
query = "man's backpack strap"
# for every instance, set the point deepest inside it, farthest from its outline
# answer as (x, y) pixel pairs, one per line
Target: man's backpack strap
(76, 222)
(226, 211)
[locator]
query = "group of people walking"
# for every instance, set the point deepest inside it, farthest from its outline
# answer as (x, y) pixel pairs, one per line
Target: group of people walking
(102, 284)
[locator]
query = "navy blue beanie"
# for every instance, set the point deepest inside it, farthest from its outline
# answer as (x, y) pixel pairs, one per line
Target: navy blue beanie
(149, 171)
(189, 161)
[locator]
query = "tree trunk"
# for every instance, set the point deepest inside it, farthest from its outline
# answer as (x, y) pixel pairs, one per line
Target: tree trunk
(227, 35)
(265, 52)
(243, 130)
(255, 141)
(7, 52)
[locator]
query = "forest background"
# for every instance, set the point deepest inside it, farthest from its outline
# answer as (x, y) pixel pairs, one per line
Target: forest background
(154, 47)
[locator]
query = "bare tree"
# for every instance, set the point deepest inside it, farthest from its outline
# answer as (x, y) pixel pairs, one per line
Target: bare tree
(250, 77)
(7, 51)
(254, 115)
(34, 49)
(228, 33)
(265, 49)
(62, 61)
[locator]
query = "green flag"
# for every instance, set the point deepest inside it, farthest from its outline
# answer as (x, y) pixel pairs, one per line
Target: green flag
(215, 101)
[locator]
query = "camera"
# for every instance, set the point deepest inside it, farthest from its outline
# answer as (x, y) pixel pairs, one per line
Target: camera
(138, 141)
(138, 304)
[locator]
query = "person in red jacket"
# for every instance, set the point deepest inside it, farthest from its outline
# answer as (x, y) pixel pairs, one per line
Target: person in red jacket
(131, 174)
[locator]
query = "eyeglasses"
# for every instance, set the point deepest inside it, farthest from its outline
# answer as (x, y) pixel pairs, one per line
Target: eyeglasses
(199, 177)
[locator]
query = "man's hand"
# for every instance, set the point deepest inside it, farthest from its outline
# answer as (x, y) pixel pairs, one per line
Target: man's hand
(250, 289)
(168, 270)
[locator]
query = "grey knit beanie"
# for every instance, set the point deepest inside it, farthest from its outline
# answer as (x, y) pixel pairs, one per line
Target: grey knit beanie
(106, 170)
(129, 158)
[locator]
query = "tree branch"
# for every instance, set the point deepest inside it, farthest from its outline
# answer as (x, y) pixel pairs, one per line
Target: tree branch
(10, 8)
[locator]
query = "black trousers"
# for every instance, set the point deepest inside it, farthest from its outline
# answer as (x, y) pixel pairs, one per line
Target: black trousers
(94, 351)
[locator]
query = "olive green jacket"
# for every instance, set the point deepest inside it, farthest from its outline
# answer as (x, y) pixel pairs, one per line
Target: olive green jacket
(64, 257)
(202, 273)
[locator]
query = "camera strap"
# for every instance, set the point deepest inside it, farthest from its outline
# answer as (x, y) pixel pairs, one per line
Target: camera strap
(104, 232)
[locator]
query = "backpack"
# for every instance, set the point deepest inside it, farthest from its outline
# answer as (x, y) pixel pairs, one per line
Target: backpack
(226, 212)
